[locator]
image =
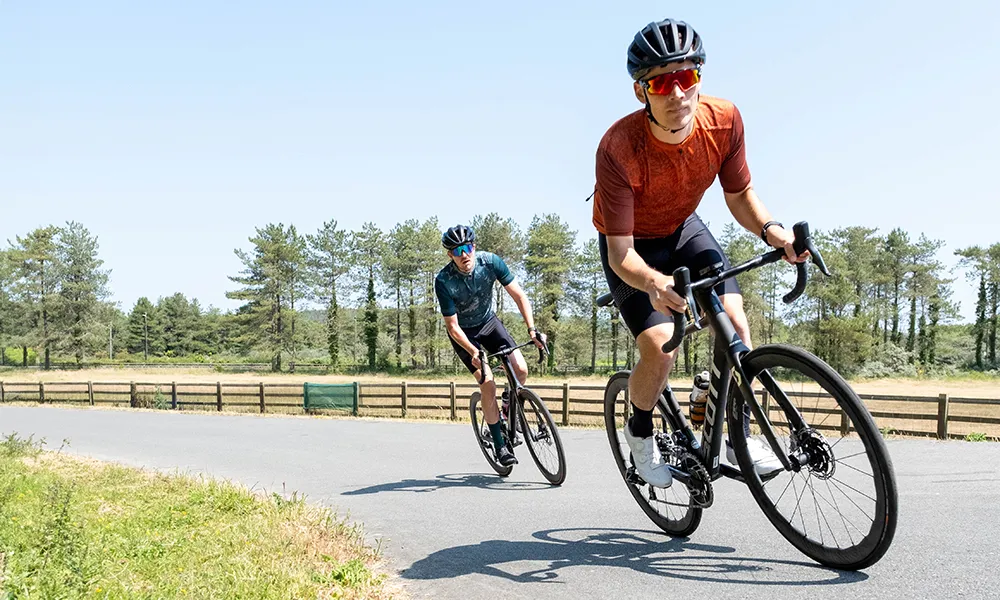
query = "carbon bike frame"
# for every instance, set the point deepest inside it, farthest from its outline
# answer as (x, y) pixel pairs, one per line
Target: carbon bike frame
(513, 384)
(726, 366)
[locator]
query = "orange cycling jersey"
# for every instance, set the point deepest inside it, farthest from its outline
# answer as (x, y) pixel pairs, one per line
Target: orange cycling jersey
(647, 188)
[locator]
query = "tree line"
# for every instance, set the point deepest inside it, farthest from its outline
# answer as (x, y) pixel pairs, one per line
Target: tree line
(365, 299)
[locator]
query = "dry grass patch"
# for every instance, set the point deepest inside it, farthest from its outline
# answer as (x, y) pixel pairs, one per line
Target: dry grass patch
(79, 528)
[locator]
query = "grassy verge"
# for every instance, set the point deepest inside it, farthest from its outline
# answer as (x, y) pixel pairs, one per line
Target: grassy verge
(75, 528)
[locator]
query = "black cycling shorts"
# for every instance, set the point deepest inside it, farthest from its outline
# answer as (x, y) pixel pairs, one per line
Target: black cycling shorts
(692, 245)
(491, 335)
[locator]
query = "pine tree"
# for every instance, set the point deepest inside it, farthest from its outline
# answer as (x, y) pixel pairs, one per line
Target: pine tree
(550, 255)
(273, 279)
(368, 246)
(83, 287)
(328, 261)
(38, 272)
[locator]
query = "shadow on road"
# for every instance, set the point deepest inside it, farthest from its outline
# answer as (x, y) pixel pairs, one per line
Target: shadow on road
(450, 480)
(540, 560)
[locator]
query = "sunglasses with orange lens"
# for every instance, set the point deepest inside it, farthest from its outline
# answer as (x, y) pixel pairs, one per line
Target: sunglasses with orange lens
(664, 84)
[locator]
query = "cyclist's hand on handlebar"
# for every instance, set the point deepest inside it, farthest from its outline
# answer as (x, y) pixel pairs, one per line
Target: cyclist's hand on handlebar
(782, 239)
(540, 339)
(663, 297)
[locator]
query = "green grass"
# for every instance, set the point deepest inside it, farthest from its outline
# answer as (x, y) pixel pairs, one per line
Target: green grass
(75, 528)
(976, 437)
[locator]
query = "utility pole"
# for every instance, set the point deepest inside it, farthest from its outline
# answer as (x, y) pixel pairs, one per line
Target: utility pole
(111, 352)
(145, 339)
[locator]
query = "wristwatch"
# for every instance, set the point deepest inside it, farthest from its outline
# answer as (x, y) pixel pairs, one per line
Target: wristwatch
(763, 231)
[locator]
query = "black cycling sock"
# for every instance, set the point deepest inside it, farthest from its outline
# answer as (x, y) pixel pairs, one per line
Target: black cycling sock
(497, 430)
(641, 423)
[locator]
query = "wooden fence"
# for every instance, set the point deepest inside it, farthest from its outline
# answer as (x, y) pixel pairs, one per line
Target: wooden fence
(939, 416)
(292, 367)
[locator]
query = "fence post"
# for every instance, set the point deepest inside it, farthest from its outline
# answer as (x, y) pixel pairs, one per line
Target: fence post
(173, 395)
(218, 395)
(262, 405)
(765, 402)
(133, 399)
(942, 424)
(565, 419)
(454, 407)
(41, 393)
(90, 392)
(403, 388)
(2, 394)
(845, 423)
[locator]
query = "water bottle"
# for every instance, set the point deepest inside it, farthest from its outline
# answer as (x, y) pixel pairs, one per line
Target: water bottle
(699, 398)
(505, 405)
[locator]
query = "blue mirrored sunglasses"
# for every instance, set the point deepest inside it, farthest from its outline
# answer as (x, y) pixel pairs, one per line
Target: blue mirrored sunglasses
(463, 249)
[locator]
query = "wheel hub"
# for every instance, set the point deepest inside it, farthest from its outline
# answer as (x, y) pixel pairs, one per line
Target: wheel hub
(816, 454)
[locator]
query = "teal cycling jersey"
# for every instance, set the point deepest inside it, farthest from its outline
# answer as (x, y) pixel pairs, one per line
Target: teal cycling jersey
(470, 295)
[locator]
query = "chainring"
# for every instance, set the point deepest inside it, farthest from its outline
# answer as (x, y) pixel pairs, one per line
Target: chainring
(700, 485)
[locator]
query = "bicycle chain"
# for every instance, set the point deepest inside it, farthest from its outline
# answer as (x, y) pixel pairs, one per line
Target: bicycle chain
(700, 487)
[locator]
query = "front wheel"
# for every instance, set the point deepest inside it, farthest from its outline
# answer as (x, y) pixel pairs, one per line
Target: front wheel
(484, 438)
(542, 437)
(838, 504)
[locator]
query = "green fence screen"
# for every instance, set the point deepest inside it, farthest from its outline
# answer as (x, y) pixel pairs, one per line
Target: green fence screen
(326, 396)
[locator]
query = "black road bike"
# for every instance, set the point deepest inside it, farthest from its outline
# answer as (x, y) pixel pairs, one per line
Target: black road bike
(529, 421)
(835, 498)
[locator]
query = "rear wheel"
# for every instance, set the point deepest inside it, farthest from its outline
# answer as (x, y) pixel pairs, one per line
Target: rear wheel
(541, 437)
(838, 505)
(672, 509)
(483, 436)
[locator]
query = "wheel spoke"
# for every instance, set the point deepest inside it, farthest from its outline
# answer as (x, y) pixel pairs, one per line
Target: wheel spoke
(849, 455)
(843, 517)
(854, 468)
(798, 504)
(823, 514)
(819, 523)
(790, 480)
(839, 512)
(853, 488)
(837, 487)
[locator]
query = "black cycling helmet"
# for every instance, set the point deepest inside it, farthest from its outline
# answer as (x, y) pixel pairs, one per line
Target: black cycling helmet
(662, 43)
(458, 235)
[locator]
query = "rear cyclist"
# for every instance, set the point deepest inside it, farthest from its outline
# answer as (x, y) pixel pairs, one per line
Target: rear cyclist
(464, 289)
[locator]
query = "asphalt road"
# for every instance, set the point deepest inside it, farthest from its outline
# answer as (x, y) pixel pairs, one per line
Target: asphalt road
(452, 529)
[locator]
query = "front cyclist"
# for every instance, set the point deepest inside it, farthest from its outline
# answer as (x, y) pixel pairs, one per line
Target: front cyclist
(653, 167)
(464, 290)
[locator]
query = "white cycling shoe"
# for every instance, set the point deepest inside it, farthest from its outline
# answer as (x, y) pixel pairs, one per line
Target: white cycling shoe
(648, 463)
(764, 460)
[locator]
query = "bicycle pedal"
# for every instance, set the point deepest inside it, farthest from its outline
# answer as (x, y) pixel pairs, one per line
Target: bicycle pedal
(632, 477)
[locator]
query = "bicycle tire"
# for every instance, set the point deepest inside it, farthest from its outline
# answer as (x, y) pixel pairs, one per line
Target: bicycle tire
(484, 439)
(823, 468)
(687, 518)
(543, 432)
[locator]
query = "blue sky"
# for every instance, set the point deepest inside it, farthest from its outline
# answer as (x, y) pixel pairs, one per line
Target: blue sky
(172, 129)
